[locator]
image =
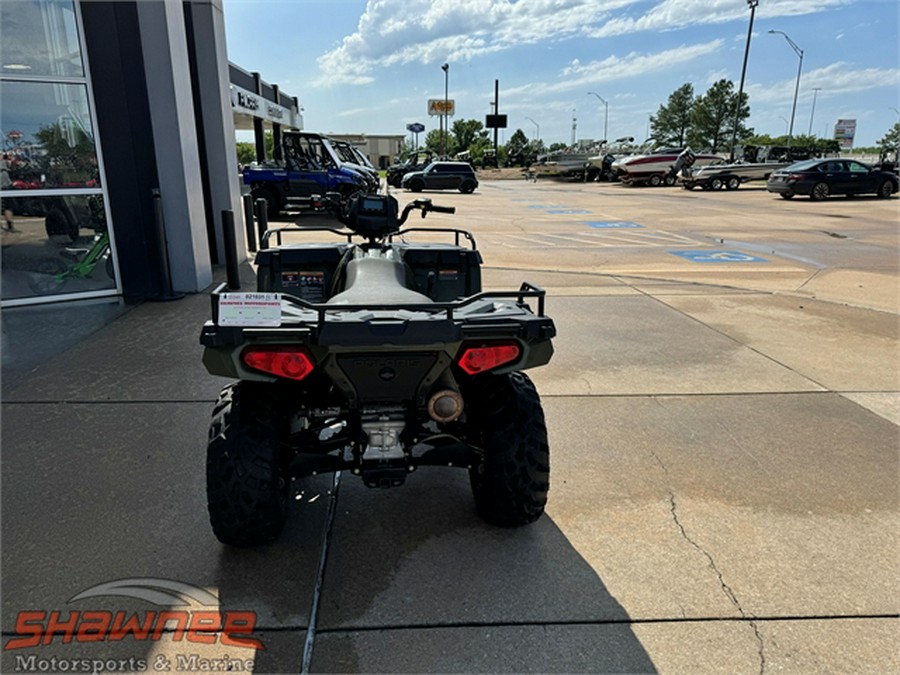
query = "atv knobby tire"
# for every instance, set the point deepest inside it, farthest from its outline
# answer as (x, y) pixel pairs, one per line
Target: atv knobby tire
(246, 478)
(511, 479)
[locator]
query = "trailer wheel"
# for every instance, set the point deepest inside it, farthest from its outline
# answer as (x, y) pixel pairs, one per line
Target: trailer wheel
(655, 180)
(246, 474)
(716, 184)
(732, 183)
(511, 478)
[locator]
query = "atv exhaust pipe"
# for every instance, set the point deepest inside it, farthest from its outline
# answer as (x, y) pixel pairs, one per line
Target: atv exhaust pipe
(445, 406)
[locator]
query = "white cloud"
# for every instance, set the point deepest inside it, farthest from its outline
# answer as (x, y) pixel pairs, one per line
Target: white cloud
(396, 32)
(835, 79)
(615, 68)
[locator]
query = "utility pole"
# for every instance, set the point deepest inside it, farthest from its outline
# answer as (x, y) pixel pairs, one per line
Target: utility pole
(574, 124)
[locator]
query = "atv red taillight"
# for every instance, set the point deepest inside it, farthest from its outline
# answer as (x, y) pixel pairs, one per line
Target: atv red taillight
(485, 357)
(291, 362)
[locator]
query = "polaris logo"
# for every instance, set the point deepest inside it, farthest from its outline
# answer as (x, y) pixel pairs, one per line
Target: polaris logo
(390, 364)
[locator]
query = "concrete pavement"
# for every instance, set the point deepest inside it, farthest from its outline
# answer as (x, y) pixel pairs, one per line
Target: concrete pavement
(724, 452)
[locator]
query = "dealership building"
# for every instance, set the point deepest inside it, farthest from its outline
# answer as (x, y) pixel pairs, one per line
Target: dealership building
(117, 127)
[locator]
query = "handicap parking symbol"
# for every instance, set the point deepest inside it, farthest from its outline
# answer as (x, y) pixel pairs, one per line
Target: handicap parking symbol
(718, 256)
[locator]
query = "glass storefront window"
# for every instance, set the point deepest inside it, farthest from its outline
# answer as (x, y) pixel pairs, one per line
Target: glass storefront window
(54, 245)
(48, 140)
(39, 38)
(55, 236)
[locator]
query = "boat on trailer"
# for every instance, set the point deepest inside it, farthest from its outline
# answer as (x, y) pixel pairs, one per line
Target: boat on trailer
(660, 166)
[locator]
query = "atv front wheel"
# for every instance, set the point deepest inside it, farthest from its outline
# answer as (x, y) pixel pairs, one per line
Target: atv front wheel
(511, 478)
(246, 477)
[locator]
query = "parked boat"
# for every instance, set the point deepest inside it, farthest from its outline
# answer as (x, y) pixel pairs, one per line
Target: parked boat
(562, 164)
(658, 167)
(728, 175)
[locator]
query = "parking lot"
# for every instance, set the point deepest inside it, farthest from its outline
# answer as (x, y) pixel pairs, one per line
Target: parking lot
(723, 409)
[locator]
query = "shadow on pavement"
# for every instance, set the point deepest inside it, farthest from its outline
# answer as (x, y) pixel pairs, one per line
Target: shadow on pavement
(416, 582)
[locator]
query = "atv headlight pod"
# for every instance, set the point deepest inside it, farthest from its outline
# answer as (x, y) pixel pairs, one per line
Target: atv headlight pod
(289, 361)
(481, 357)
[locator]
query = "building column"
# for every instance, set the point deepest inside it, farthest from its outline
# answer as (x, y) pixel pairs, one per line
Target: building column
(164, 43)
(259, 133)
(216, 126)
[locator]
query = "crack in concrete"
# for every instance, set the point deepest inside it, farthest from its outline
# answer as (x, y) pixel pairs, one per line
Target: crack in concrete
(726, 589)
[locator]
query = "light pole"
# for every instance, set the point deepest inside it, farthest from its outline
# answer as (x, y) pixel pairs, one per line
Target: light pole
(537, 132)
(895, 110)
(816, 91)
(786, 123)
(796, 86)
(574, 125)
(737, 107)
(446, 69)
(605, 117)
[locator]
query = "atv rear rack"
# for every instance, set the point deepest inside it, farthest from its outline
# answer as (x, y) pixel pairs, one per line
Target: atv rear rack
(526, 290)
(442, 320)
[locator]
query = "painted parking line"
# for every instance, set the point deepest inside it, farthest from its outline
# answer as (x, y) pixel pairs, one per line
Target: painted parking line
(626, 238)
(718, 256)
(612, 224)
(567, 212)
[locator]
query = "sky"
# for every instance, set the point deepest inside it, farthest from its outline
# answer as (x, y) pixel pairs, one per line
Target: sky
(370, 66)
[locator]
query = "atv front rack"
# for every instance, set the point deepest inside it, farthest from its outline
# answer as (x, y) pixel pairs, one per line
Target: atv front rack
(278, 233)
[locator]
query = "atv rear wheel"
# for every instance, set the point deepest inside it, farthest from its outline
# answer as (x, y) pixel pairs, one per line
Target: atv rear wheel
(511, 479)
(246, 476)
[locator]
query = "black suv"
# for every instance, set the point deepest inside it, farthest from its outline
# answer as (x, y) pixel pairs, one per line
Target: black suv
(442, 176)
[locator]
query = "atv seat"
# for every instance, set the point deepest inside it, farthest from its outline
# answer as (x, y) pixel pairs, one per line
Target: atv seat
(377, 281)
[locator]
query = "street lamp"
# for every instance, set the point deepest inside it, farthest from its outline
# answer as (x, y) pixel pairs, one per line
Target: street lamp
(797, 86)
(737, 107)
(786, 123)
(816, 91)
(446, 69)
(537, 133)
(606, 116)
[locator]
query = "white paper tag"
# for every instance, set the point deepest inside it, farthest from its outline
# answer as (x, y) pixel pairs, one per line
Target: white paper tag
(250, 309)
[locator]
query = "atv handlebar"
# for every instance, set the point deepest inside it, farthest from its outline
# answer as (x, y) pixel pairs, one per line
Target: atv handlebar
(424, 205)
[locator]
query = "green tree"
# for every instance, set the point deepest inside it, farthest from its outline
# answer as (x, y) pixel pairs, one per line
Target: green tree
(246, 152)
(467, 133)
(69, 155)
(434, 141)
(891, 139)
(672, 121)
(713, 118)
(515, 146)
